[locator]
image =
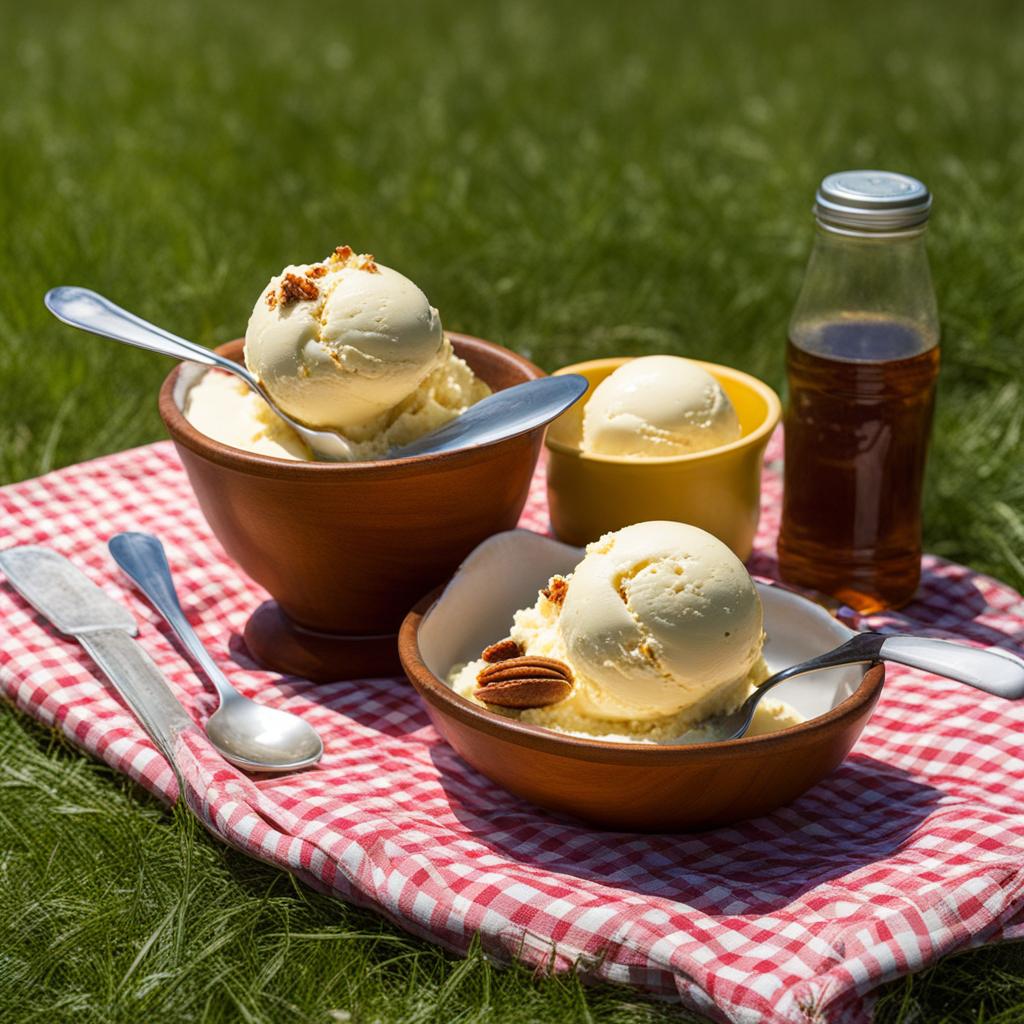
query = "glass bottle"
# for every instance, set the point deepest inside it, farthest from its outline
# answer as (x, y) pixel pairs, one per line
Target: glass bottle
(862, 361)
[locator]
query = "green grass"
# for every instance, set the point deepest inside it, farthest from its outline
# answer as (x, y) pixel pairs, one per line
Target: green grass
(570, 180)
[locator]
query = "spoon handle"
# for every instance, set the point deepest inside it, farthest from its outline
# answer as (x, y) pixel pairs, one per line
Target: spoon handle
(994, 672)
(88, 311)
(144, 561)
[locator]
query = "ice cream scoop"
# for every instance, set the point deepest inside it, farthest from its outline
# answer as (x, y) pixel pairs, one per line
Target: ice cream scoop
(657, 618)
(341, 342)
(660, 628)
(658, 406)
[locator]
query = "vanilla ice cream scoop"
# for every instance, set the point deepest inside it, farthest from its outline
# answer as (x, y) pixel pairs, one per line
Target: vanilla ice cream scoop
(657, 618)
(339, 343)
(658, 406)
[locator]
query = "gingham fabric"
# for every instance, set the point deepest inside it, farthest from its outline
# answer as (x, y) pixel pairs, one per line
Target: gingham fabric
(912, 849)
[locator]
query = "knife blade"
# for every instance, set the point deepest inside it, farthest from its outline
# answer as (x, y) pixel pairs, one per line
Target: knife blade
(68, 599)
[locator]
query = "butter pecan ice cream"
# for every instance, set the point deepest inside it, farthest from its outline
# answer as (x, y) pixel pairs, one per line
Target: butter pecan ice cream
(659, 627)
(658, 406)
(345, 344)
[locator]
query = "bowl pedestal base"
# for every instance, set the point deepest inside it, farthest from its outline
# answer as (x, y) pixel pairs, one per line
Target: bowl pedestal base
(279, 644)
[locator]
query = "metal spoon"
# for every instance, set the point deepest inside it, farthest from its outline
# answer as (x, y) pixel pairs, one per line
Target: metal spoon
(999, 674)
(248, 734)
(507, 413)
(503, 414)
(88, 311)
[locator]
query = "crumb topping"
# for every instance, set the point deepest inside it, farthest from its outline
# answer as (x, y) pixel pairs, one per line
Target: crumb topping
(345, 256)
(556, 590)
(297, 289)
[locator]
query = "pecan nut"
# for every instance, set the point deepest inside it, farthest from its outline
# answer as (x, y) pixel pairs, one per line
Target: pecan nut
(502, 650)
(297, 289)
(529, 681)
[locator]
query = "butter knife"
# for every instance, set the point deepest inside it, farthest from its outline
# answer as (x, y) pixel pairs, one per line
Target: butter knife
(68, 599)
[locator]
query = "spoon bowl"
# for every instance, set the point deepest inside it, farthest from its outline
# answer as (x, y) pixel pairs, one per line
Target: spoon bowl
(260, 738)
(508, 413)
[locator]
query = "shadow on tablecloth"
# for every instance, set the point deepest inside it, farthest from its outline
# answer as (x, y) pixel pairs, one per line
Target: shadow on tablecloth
(769, 862)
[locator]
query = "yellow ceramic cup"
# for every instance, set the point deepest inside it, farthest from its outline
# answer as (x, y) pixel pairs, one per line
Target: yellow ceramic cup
(718, 490)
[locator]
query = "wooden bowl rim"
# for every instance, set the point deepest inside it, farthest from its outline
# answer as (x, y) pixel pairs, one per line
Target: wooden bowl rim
(536, 737)
(758, 435)
(183, 433)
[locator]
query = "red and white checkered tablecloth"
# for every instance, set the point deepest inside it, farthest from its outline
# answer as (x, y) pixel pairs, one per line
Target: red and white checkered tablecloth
(912, 849)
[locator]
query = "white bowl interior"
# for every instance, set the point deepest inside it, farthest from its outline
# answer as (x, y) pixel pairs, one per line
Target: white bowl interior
(505, 572)
(190, 375)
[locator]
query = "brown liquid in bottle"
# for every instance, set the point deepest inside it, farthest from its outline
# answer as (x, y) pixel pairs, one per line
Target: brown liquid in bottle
(857, 427)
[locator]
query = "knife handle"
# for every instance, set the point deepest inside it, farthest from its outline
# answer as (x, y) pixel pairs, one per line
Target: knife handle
(138, 680)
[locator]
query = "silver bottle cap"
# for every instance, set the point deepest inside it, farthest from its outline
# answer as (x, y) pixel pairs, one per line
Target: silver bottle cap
(872, 201)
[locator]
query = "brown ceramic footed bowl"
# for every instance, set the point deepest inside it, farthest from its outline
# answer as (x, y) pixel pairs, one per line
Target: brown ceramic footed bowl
(663, 787)
(637, 787)
(345, 549)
